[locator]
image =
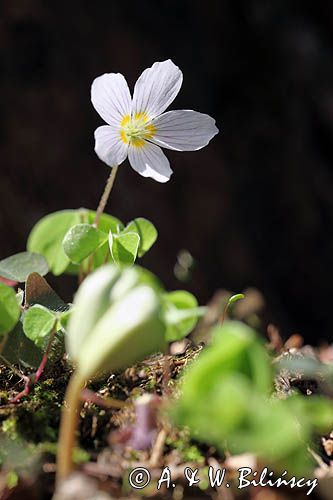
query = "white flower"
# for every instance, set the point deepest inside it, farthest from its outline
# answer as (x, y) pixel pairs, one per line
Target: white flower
(137, 127)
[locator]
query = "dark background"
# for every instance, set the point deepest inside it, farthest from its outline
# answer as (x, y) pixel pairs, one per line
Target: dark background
(254, 207)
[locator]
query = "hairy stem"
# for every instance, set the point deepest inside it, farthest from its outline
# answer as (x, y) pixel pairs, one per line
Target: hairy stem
(68, 426)
(105, 196)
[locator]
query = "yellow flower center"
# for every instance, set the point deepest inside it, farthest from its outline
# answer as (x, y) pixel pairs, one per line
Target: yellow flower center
(136, 129)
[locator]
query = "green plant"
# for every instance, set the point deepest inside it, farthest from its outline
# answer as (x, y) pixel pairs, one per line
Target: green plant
(226, 400)
(121, 312)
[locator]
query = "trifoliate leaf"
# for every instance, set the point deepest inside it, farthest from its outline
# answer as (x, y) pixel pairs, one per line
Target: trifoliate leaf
(9, 309)
(19, 266)
(147, 232)
(47, 236)
(38, 323)
(81, 241)
(124, 247)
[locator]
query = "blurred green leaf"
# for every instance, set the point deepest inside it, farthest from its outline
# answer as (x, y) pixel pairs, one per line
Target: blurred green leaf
(115, 321)
(38, 323)
(19, 266)
(91, 301)
(225, 401)
(149, 278)
(9, 309)
(146, 231)
(181, 313)
(81, 241)
(124, 247)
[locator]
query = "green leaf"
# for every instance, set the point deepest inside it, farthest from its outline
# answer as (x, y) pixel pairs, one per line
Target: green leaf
(106, 224)
(235, 298)
(81, 241)
(181, 313)
(229, 386)
(150, 279)
(113, 300)
(38, 291)
(47, 236)
(146, 231)
(19, 266)
(38, 323)
(63, 319)
(9, 309)
(91, 302)
(124, 247)
(137, 331)
(19, 350)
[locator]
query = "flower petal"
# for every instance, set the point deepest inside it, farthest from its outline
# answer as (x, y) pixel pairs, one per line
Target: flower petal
(183, 130)
(111, 97)
(109, 147)
(150, 161)
(156, 88)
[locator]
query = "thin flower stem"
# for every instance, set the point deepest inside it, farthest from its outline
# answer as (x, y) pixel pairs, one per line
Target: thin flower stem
(105, 196)
(68, 426)
(100, 209)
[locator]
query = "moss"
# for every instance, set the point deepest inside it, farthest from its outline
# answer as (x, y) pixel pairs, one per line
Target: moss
(39, 414)
(189, 451)
(9, 428)
(12, 480)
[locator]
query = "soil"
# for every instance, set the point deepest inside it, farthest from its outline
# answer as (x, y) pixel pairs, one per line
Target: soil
(105, 452)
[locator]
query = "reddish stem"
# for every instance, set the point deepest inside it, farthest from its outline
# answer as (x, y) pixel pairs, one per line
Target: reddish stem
(45, 358)
(33, 379)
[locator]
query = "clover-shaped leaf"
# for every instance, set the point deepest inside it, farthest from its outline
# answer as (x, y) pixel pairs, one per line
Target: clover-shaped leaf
(47, 237)
(19, 266)
(38, 323)
(82, 240)
(147, 232)
(124, 247)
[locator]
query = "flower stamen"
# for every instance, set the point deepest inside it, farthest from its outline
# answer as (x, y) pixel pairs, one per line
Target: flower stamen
(136, 129)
